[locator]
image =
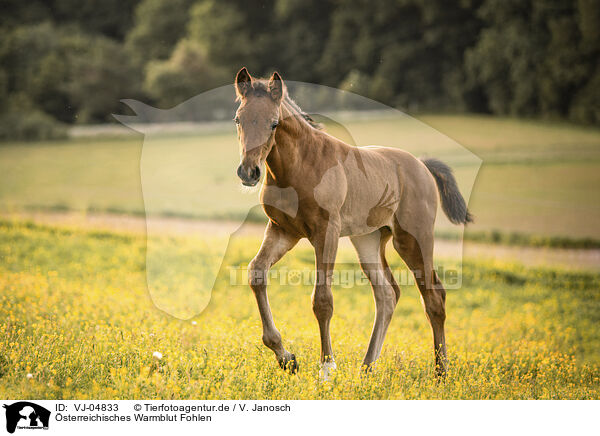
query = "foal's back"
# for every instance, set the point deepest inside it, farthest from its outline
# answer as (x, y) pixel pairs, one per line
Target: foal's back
(369, 185)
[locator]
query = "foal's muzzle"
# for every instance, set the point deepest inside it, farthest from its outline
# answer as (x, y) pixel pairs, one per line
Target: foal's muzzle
(249, 176)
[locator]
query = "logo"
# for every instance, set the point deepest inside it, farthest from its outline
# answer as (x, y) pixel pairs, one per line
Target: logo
(26, 415)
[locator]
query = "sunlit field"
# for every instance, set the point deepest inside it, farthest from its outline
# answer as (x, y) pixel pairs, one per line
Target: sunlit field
(77, 322)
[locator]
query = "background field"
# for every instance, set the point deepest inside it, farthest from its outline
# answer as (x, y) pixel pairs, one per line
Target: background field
(78, 318)
(536, 177)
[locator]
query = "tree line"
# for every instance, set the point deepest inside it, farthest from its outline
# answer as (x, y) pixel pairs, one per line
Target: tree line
(65, 61)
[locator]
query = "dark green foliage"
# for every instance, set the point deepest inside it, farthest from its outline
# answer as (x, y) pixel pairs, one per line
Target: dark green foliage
(158, 25)
(235, 34)
(30, 125)
(111, 18)
(537, 57)
(185, 74)
(74, 61)
(99, 75)
(64, 72)
(523, 240)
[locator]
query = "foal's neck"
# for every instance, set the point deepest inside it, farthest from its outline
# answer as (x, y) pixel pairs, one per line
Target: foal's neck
(292, 132)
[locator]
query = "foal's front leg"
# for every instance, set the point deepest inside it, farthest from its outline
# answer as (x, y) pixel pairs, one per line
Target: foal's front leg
(275, 244)
(325, 245)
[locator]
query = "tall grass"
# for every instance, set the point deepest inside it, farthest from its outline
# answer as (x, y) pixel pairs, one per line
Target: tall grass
(76, 315)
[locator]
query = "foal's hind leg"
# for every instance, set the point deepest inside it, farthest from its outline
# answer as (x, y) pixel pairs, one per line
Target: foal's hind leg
(418, 256)
(386, 234)
(370, 249)
(275, 244)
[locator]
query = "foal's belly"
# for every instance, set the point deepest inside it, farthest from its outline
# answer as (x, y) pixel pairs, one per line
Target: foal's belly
(373, 194)
(366, 210)
(363, 223)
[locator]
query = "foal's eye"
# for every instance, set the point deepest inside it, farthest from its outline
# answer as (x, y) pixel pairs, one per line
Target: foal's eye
(275, 124)
(236, 120)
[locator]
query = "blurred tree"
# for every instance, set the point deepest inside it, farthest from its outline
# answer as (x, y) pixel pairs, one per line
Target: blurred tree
(585, 105)
(74, 61)
(100, 75)
(36, 69)
(301, 28)
(158, 26)
(18, 13)
(534, 56)
(185, 74)
(66, 73)
(3, 88)
(111, 18)
(234, 34)
(564, 67)
(411, 49)
(449, 29)
(24, 121)
(337, 58)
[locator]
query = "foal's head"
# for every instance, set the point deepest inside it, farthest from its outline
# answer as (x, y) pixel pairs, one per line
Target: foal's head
(257, 119)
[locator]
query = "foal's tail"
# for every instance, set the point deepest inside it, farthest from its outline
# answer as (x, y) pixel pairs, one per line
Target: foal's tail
(453, 203)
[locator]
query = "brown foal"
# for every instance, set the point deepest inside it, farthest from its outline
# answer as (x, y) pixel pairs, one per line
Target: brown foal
(320, 188)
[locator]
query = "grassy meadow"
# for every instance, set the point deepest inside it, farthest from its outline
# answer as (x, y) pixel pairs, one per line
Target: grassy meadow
(77, 317)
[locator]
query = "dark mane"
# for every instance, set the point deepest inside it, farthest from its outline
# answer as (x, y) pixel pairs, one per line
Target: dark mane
(259, 89)
(300, 112)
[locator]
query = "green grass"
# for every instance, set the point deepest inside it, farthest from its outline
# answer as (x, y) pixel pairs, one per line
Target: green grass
(76, 315)
(537, 178)
(522, 239)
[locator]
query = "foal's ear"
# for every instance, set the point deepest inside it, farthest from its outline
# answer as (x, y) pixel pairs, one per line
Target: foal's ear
(243, 82)
(276, 87)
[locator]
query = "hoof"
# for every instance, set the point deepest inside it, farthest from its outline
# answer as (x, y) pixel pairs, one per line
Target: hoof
(289, 363)
(441, 367)
(367, 368)
(440, 374)
(326, 370)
